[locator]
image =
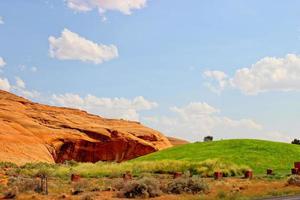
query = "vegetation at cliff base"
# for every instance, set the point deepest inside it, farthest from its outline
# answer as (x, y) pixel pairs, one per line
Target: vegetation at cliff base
(107, 169)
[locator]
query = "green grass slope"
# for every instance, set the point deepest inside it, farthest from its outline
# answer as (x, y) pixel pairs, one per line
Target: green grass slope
(257, 154)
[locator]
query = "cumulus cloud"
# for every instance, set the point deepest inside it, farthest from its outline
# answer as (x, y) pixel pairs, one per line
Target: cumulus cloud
(4, 84)
(219, 80)
(123, 6)
(20, 83)
(71, 46)
(2, 62)
(1, 20)
(121, 108)
(20, 89)
(268, 74)
(198, 119)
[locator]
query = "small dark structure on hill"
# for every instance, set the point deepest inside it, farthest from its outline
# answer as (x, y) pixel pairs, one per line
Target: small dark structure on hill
(269, 172)
(296, 169)
(218, 175)
(296, 141)
(249, 174)
(208, 138)
(75, 177)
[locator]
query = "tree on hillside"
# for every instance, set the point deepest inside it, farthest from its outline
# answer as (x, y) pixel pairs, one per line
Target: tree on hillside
(296, 141)
(208, 138)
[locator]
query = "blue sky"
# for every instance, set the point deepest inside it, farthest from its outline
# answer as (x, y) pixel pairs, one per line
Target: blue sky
(175, 66)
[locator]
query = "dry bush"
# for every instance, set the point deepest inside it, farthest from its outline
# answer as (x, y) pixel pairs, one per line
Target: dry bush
(142, 188)
(11, 194)
(294, 180)
(187, 185)
(23, 184)
(80, 187)
(87, 197)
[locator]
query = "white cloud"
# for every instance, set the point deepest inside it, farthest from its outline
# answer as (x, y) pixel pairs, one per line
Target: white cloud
(268, 74)
(194, 109)
(71, 46)
(20, 89)
(4, 84)
(220, 80)
(2, 62)
(196, 120)
(20, 83)
(1, 20)
(107, 107)
(123, 6)
(24, 68)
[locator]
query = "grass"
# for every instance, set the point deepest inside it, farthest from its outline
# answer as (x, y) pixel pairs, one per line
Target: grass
(105, 169)
(257, 154)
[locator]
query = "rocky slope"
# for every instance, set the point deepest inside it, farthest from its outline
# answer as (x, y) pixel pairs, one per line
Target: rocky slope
(31, 132)
(177, 141)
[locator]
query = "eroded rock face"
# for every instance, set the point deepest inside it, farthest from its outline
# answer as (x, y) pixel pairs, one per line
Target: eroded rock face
(31, 132)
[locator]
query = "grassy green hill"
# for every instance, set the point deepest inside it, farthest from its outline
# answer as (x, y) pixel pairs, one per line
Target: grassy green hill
(257, 154)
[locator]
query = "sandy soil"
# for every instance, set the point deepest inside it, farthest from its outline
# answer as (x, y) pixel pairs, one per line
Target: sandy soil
(231, 187)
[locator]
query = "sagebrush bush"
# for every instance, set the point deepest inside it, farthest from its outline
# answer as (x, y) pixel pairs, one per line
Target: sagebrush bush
(23, 184)
(87, 197)
(80, 187)
(8, 165)
(11, 193)
(187, 184)
(142, 188)
(294, 180)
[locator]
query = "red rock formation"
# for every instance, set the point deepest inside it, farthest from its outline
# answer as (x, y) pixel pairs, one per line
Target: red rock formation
(32, 132)
(177, 141)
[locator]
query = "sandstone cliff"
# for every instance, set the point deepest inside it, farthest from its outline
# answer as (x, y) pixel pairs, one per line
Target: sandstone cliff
(177, 141)
(32, 132)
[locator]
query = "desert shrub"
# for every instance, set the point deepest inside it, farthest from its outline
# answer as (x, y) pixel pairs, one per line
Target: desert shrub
(23, 184)
(11, 194)
(107, 169)
(80, 187)
(8, 165)
(71, 163)
(230, 196)
(117, 184)
(32, 169)
(43, 172)
(87, 197)
(294, 180)
(142, 188)
(57, 170)
(221, 194)
(39, 165)
(187, 185)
